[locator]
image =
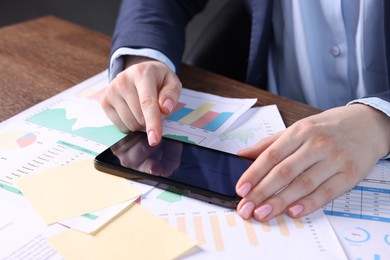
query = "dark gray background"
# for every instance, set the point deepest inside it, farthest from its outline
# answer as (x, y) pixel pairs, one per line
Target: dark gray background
(99, 15)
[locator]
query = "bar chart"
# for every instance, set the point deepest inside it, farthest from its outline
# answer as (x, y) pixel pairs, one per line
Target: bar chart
(222, 234)
(211, 228)
(201, 117)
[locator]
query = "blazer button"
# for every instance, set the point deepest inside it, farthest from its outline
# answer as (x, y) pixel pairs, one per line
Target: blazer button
(335, 51)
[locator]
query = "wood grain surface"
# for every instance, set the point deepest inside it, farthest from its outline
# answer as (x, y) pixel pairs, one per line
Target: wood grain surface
(42, 57)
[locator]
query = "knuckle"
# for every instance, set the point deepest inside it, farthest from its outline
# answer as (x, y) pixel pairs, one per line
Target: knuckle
(305, 128)
(274, 156)
(328, 193)
(285, 171)
(137, 70)
(306, 183)
(341, 157)
(322, 141)
(123, 128)
(319, 198)
(133, 125)
(280, 202)
(259, 195)
(143, 69)
(120, 81)
(179, 84)
(147, 102)
(105, 103)
(351, 171)
(349, 168)
(121, 84)
(139, 124)
(174, 89)
(311, 204)
(108, 92)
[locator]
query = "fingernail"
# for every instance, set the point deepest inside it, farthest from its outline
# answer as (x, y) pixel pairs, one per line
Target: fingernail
(152, 139)
(263, 211)
(243, 190)
(295, 210)
(246, 210)
(168, 104)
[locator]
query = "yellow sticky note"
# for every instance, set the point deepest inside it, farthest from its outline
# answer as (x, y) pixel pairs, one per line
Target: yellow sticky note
(73, 190)
(136, 234)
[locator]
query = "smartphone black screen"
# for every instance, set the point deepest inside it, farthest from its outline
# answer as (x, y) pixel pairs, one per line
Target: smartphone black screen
(195, 171)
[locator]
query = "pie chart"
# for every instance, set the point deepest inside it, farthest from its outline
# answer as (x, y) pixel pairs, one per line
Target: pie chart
(16, 139)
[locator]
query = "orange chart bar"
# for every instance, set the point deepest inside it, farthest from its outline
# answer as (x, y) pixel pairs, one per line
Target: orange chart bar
(266, 227)
(181, 224)
(179, 106)
(205, 119)
(200, 236)
(298, 223)
(201, 117)
(197, 113)
(282, 225)
(230, 219)
(216, 229)
(92, 93)
(250, 231)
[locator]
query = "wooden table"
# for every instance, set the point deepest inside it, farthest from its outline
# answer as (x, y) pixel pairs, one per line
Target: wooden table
(42, 57)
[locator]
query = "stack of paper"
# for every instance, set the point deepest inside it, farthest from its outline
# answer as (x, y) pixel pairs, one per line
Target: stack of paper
(72, 127)
(78, 189)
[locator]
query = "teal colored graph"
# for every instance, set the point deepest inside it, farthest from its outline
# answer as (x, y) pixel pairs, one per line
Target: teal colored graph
(170, 195)
(244, 135)
(56, 119)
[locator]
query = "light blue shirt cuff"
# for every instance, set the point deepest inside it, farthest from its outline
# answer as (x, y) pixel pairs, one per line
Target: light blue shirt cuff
(117, 61)
(377, 103)
(374, 102)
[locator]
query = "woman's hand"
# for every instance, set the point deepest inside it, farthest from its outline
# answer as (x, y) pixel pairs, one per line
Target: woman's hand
(141, 96)
(312, 162)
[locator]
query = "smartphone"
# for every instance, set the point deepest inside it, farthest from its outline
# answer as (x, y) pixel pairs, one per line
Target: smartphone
(191, 170)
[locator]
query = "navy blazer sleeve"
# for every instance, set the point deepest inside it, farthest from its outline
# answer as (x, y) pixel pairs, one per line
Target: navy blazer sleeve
(155, 24)
(385, 95)
(161, 24)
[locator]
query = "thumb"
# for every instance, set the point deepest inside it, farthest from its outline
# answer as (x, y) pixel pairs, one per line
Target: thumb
(255, 150)
(169, 94)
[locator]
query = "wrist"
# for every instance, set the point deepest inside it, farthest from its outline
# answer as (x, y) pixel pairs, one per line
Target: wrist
(379, 124)
(134, 59)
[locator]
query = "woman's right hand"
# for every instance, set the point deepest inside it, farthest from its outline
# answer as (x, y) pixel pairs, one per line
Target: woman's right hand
(141, 96)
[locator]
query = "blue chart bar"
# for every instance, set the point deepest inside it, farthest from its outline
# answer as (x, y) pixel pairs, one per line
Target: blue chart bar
(218, 121)
(200, 117)
(179, 114)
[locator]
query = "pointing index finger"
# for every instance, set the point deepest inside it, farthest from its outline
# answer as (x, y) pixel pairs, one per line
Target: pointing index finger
(147, 92)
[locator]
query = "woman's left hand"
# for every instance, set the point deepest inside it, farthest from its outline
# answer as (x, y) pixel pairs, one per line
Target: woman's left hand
(312, 162)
